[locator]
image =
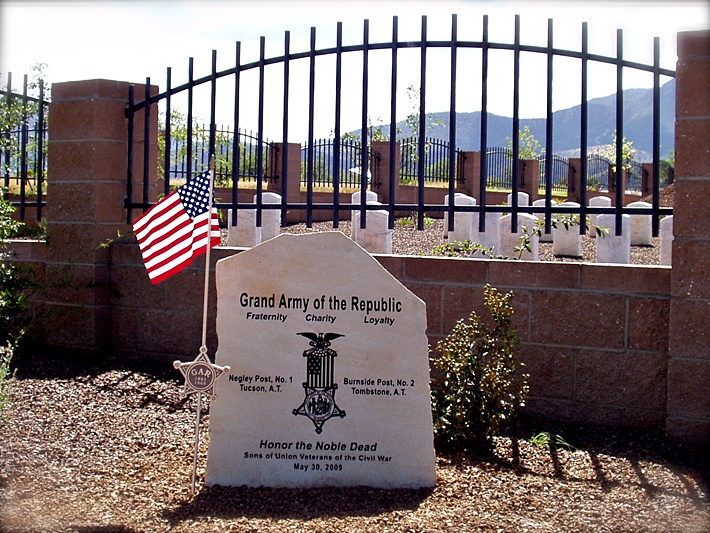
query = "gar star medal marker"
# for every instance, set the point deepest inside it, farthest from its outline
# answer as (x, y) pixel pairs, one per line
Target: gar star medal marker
(200, 375)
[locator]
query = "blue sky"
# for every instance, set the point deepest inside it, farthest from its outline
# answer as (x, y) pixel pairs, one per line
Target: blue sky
(132, 40)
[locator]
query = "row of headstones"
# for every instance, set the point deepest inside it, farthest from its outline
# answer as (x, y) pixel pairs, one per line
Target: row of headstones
(376, 237)
(566, 240)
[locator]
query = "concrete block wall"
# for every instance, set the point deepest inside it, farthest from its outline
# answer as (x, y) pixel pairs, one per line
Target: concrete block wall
(689, 357)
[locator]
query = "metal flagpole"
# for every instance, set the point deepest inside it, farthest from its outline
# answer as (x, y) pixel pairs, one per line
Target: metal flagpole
(201, 374)
(203, 347)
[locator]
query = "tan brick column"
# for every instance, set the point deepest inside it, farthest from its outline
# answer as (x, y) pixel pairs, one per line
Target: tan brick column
(86, 190)
(472, 175)
(382, 149)
(688, 401)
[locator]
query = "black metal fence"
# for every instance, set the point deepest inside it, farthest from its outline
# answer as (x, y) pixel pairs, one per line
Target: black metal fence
(226, 86)
(23, 146)
(347, 168)
(437, 161)
(249, 146)
(559, 174)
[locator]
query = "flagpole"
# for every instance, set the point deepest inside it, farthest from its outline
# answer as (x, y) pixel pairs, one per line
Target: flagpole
(207, 256)
(203, 347)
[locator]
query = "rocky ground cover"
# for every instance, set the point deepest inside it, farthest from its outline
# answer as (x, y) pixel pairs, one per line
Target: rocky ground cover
(108, 447)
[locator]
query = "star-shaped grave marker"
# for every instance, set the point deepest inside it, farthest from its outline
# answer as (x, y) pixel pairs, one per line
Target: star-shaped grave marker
(200, 375)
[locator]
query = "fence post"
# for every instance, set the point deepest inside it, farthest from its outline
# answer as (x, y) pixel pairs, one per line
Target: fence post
(471, 174)
(292, 174)
(382, 148)
(531, 185)
(87, 158)
(574, 180)
(688, 401)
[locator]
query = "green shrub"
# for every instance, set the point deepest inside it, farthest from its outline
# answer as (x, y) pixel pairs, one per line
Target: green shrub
(479, 391)
(13, 282)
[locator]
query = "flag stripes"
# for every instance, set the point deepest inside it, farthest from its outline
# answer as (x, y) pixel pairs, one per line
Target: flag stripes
(169, 238)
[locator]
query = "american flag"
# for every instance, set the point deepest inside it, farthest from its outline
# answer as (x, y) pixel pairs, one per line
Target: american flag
(175, 230)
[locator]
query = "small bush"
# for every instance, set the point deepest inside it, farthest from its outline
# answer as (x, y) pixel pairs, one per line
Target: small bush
(478, 392)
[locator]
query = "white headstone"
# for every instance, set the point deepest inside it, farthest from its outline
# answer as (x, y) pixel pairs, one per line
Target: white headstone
(245, 233)
(463, 222)
(545, 237)
(666, 235)
(597, 201)
(376, 237)
(508, 240)
(641, 230)
(270, 218)
(370, 198)
(329, 382)
(489, 237)
(614, 248)
(523, 198)
(567, 242)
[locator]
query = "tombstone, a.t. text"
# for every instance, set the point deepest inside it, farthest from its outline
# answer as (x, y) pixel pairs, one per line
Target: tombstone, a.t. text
(329, 382)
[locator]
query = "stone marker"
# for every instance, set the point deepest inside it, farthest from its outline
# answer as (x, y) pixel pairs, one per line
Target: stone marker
(614, 248)
(641, 226)
(508, 240)
(567, 242)
(329, 382)
(666, 235)
(545, 237)
(597, 201)
(246, 233)
(463, 221)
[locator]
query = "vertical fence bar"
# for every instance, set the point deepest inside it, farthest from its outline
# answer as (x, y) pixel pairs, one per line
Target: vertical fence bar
(236, 148)
(619, 128)
(516, 124)
(364, 149)
(484, 125)
(213, 105)
(393, 122)
(421, 146)
(23, 150)
(191, 83)
(260, 134)
(311, 111)
(584, 116)
(167, 134)
(452, 123)
(655, 221)
(6, 154)
(336, 136)
(284, 151)
(549, 132)
(146, 146)
(40, 152)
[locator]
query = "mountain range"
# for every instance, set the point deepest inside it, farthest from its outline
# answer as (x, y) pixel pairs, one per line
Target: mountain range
(638, 125)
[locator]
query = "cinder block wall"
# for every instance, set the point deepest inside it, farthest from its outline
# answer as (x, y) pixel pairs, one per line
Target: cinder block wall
(689, 364)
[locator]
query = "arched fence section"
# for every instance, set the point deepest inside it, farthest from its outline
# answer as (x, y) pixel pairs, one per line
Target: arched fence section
(437, 161)
(325, 68)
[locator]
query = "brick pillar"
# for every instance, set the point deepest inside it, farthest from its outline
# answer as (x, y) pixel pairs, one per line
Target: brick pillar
(574, 180)
(382, 149)
(292, 173)
(472, 175)
(86, 186)
(531, 184)
(688, 401)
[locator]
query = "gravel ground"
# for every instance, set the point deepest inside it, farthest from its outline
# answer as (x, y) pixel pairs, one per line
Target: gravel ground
(107, 448)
